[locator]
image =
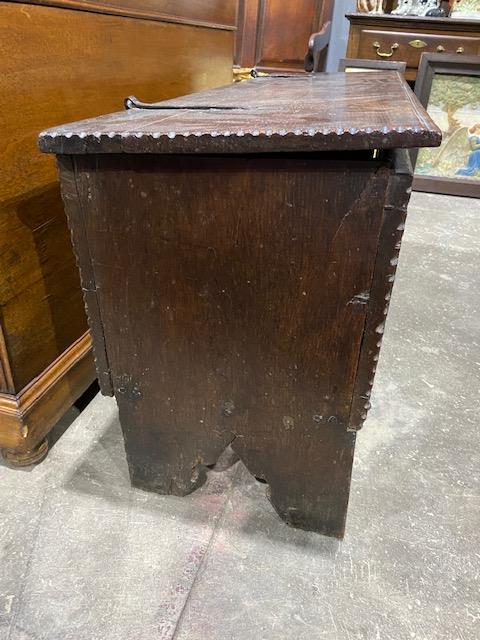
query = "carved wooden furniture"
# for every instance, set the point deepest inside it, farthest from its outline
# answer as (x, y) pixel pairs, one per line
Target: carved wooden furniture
(316, 56)
(237, 250)
(58, 64)
(272, 35)
(389, 37)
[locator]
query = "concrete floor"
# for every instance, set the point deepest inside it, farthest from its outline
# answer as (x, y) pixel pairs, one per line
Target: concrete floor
(85, 557)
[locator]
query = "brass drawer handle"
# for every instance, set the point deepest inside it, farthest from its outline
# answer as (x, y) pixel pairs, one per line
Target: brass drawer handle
(440, 48)
(461, 50)
(382, 54)
(417, 44)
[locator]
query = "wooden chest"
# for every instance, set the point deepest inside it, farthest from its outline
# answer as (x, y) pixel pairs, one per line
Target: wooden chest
(237, 250)
(405, 38)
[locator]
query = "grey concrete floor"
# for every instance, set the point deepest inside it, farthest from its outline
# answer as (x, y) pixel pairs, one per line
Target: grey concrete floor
(85, 557)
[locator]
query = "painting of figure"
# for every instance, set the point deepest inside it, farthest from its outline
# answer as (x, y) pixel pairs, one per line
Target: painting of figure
(473, 165)
(454, 105)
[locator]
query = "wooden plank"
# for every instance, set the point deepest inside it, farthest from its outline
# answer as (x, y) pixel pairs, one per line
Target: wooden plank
(216, 14)
(393, 225)
(273, 113)
(77, 222)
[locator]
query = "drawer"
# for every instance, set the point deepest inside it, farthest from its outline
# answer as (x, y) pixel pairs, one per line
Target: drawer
(376, 44)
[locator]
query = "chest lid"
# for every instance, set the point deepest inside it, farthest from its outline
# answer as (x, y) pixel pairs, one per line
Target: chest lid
(296, 113)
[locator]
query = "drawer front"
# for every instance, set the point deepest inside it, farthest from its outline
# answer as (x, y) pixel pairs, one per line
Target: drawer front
(398, 45)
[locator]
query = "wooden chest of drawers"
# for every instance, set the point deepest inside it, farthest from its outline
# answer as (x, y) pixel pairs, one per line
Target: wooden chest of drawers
(405, 38)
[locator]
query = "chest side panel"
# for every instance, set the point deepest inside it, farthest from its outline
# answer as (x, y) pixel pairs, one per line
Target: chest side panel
(233, 286)
(393, 225)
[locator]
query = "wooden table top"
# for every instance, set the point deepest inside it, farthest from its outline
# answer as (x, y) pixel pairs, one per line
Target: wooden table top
(313, 112)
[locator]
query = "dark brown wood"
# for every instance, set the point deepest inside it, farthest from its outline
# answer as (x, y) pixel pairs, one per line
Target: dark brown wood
(273, 35)
(216, 14)
(452, 65)
(76, 220)
(252, 287)
(447, 186)
(414, 35)
(415, 22)
(317, 49)
(258, 341)
(60, 64)
(389, 242)
(280, 112)
(375, 65)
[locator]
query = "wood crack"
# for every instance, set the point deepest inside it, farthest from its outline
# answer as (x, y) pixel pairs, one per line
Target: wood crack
(133, 103)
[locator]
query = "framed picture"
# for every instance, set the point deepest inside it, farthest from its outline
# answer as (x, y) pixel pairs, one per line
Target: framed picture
(354, 64)
(448, 86)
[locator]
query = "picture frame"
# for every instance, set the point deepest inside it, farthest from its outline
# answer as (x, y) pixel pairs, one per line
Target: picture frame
(448, 86)
(466, 9)
(358, 64)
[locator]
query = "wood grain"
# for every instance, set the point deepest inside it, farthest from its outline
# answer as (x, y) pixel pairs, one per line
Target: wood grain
(283, 33)
(27, 417)
(235, 326)
(84, 64)
(217, 14)
(415, 22)
(6, 378)
(389, 242)
(238, 299)
(405, 52)
(41, 304)
(273, 113)
(77, 222)
(273, 35)
(386, 29)
(61, 64)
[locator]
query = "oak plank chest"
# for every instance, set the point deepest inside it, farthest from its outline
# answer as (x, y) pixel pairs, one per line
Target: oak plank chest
(237, 250)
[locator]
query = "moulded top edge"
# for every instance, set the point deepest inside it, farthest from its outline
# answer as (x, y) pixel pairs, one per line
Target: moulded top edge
(302, 112)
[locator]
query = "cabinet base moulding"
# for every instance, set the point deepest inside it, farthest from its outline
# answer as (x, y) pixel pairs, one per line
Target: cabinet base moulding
(27, 417)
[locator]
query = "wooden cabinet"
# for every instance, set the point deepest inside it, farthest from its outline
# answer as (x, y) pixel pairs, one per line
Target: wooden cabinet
(63, 60)
(388, 37)
(273, 35)
(257, 237)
